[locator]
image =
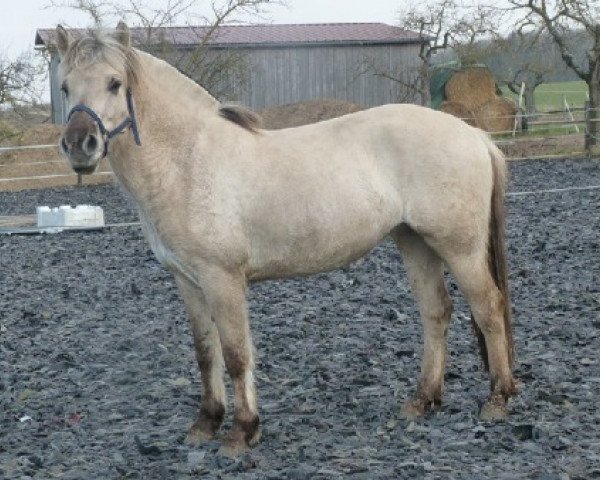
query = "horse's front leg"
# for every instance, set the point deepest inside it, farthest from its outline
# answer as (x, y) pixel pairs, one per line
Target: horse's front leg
(210, 363)
(230, 314)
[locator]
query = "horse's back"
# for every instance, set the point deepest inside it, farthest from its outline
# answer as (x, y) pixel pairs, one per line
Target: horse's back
(334, 189)
(399, 144)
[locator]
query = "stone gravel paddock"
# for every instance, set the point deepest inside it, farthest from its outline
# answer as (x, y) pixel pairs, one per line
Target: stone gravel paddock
(98, 378)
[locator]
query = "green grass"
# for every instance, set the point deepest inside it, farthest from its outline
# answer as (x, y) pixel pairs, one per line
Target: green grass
(549, 96)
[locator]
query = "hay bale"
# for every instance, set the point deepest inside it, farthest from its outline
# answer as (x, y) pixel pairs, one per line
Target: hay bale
(497, 115)
(461, 111)
(472, 87)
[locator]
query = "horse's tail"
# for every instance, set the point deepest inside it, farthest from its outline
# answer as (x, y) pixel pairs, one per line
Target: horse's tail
(497, 256)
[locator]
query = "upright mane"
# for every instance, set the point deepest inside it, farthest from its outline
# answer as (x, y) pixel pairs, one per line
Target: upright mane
(99, 45)
(241, 116)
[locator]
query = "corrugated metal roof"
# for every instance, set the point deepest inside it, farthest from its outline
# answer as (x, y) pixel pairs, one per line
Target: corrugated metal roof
(265, 35)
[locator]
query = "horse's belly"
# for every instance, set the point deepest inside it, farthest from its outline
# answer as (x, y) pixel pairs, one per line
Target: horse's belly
(283, 255)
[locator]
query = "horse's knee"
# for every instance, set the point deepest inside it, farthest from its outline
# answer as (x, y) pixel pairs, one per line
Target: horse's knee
(238, 360)
(436, 317)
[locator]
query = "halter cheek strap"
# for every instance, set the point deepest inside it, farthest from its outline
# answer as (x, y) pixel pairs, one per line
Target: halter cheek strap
(129, 122)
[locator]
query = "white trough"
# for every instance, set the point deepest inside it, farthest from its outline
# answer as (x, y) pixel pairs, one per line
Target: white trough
(81, 216)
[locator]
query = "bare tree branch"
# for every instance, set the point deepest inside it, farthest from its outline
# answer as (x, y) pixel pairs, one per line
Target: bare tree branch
(20, 80)
(561, 18)
(440, 24)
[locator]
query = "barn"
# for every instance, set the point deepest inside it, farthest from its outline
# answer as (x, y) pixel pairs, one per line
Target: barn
(285, 63)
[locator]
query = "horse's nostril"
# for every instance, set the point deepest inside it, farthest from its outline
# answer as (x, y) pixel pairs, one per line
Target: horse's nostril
(91, 144)
(63, 143)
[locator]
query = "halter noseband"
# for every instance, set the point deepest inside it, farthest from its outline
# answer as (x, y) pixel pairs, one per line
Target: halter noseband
(130, 122)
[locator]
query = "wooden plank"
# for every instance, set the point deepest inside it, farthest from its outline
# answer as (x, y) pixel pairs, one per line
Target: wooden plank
(18, 221)
(47, 181)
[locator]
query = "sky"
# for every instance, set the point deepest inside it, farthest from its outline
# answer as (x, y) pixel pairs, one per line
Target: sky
(19, 19)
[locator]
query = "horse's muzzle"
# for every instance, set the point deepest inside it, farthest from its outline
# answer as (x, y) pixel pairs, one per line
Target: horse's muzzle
(82, 145)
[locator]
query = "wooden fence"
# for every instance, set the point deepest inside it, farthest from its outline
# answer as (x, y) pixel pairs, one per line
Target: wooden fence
(550, 134)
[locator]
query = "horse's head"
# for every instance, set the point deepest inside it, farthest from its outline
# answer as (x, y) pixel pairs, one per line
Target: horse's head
(97, 74)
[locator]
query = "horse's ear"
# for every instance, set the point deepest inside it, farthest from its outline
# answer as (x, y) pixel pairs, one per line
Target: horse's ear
(63, 40)
(123, 34)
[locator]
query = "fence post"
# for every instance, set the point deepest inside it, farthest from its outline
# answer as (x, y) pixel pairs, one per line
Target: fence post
(568, 113)
(79, 180)
(588, 129)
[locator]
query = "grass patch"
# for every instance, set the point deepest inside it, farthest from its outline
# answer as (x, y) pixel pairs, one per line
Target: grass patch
(8, 131)
(549, 96)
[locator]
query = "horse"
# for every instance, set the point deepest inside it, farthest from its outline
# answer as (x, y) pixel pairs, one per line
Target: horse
(224, 203)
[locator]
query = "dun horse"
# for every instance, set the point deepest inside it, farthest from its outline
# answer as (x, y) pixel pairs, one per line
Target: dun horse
(224, 203)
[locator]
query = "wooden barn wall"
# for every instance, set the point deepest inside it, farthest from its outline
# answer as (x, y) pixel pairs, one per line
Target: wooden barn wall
(278, 76)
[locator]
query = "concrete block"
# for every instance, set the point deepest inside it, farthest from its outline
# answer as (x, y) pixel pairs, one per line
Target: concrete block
(67, 216)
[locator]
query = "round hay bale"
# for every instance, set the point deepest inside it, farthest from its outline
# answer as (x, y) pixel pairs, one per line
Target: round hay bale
(303, 113)
(461, 111)
(497, 115)
(472, 87)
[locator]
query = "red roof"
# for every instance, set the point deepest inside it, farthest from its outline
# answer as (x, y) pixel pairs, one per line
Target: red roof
(272, 34)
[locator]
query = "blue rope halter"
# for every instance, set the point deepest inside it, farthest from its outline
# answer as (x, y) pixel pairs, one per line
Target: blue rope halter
(130, 122)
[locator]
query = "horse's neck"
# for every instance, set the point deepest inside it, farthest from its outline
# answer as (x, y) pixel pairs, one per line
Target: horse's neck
(164, 82)
(169, 107)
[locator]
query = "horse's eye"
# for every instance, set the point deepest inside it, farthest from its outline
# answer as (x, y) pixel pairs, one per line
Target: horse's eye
(114, 85)
(65, 89)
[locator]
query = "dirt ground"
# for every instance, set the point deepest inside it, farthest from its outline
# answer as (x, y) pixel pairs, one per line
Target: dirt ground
(303, 113)
(98, 378)
(532, 147)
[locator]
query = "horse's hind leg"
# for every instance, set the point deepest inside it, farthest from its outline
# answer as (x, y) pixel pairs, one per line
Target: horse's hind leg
(425, 272)
(210, 363)
(474, 278)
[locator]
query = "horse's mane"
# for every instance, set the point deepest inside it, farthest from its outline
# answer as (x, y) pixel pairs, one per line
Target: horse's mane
(241, 116)
(101, 45)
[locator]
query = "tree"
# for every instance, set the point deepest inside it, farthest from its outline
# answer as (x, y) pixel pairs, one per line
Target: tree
(442, 25)
(19, 80)
(560, 18)
(215, 72)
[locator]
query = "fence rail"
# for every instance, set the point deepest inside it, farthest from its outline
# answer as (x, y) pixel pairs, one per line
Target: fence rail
(26, 147)
(16, 179)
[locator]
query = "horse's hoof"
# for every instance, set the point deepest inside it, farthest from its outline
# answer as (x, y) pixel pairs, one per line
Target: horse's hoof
(238, 441)
(495, 409)
(413, 409)
(233, 449)
(196, 437)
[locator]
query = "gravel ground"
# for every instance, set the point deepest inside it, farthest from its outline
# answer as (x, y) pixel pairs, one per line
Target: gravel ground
(98, 378)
